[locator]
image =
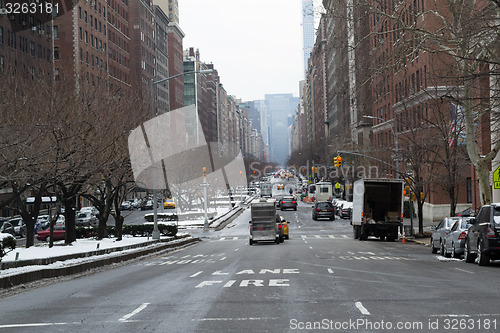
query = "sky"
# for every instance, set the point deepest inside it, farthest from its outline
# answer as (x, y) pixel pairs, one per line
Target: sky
(256, 46)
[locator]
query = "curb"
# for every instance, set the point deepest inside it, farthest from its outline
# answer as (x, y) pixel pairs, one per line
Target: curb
(44, 273)
(229, 217)
(51, 260)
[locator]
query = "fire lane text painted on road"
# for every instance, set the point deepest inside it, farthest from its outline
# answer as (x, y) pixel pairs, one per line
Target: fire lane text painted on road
(251, 282)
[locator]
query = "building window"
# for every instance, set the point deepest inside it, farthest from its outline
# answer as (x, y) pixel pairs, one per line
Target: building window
(85, 17)
(56, 74)
(56, 52)
(2, 64)
(1, 35)
(32, 49)
(81, 54)
(81, 33)
(79, 12)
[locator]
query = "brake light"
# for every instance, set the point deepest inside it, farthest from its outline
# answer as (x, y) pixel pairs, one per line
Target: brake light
(462, 235)
(331, 210)
(251, 228)
(490, 232)
(279, 226)
(317, 209)
(294, 201)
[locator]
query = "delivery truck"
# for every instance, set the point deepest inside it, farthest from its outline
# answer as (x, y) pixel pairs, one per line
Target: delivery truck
(263, 226)
(377, 208)
(266, 189)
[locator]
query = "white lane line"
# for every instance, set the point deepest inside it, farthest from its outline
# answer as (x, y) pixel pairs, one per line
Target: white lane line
(361, 308)
(196, 274)
(136, 311)
(310, 247)
(345, 236)
(35, 325)
(224, 258)
(463, 270)
(330, 270)
(236, 250)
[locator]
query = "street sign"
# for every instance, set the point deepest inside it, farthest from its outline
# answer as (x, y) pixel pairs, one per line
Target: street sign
(496, 179)
(337, 185)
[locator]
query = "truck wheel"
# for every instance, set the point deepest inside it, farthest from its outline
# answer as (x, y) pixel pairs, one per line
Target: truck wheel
(468, 255)
(362, 234)
(355, 231)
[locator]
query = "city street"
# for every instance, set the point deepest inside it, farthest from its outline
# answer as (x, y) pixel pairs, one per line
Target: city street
(320, 278)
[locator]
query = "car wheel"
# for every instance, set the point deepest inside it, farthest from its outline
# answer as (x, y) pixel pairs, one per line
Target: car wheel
(332, 218)
(287, 237)
(295, 209)
(454, 253)
(434, 249)
(469, 257)
(482, 258)
(441, 248)
(277, 240)
(315, 218)
(250, 242)
(447, 253)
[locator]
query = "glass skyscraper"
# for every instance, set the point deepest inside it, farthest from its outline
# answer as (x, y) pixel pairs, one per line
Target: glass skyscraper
(307, 29)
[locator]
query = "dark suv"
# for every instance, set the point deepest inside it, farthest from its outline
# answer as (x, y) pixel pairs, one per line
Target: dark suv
(482, 242)
(323, 209)
(288, 202)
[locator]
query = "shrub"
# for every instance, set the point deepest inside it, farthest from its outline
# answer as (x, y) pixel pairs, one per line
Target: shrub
(7, 244)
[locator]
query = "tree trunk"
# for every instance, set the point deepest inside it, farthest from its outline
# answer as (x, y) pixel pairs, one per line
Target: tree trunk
(69, 214)
(119, 227)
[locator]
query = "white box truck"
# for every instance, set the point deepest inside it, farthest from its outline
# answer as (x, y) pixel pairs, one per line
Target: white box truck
(377, 208)
(263, 226)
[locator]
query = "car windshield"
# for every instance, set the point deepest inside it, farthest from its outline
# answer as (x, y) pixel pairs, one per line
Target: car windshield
(324, 205)
(82, 215)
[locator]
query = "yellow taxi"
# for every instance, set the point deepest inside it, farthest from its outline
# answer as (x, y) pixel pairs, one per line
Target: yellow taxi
(169, 203)
(284, 224)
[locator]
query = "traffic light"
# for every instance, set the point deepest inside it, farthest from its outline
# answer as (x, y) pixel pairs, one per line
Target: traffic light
(204, 172)
(407, 190)
(337, 161)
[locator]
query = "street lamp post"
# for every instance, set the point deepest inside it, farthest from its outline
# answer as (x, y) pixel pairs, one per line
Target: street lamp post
(156, 232)
(395, 140)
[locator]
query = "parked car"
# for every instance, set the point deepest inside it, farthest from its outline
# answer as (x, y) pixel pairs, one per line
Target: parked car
(86, 218)
(288, 202)
(136, 203)
(42, 222)
(19, 226)
(466, 212)
(147, 205)
(59, 233)
(125, 205)
(440, 233)
(91, 209)
(7, 228)
(454, 242)
(169, 203)
(346, 210)
(323, 209)
(337, 205)
(482, 242)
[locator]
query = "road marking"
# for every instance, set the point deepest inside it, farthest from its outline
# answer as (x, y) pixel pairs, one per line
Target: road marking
(330, 271)
(236, 319)
(236, 250)
(136, 311)
(224, 258)
(310, 247)
(463, 270)
(36, 325)
(345, 236)
(361, 308)
(196, 274)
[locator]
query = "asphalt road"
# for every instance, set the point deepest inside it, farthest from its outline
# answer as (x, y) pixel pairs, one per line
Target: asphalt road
(320, 278)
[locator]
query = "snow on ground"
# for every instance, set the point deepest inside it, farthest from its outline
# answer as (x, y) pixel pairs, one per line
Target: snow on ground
(42, 250)
(82, 245)
(4, 235)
